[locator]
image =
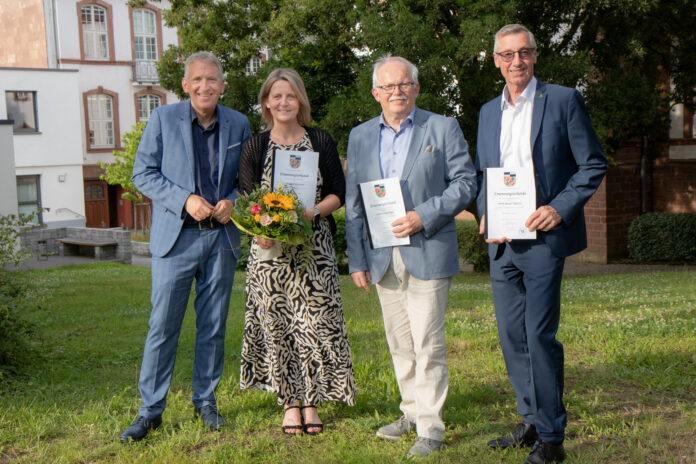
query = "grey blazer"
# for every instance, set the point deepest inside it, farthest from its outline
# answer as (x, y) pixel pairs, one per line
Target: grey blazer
(438, 182)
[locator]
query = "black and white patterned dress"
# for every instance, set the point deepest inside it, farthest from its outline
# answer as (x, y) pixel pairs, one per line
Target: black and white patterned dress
(295, 341)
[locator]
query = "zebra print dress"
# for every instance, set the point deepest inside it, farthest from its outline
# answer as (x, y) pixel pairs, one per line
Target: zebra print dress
(295, 341)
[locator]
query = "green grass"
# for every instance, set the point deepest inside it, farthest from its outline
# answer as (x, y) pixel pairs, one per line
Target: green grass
(630, 344)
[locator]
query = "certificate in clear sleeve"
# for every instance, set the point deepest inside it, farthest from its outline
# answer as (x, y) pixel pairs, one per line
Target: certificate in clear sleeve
(298, 171)
(510, 200)
(383, 203)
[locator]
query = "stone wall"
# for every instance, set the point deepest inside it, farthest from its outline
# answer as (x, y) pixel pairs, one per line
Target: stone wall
(31, 237)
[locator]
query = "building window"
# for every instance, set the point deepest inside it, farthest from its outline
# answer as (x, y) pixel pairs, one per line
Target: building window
(145, 35)
(253, 66)
(146, 104)
(101, 121)
(94, 32)
(29, 197)
(21, 108)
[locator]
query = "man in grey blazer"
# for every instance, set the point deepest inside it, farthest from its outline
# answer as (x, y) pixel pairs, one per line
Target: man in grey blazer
(187, 164)
(428, 154)
(546, 127)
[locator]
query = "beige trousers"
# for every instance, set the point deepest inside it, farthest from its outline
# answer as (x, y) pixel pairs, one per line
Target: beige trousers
(414, 320)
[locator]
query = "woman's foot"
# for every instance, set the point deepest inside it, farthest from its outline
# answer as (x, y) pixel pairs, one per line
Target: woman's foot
(312, 423)
(292, 421)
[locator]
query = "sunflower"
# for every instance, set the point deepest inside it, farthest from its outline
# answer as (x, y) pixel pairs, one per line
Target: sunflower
(277, 200)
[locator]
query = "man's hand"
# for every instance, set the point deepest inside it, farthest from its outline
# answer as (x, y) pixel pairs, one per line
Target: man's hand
(544, 218)
(198, 207)
(222, 211)
(407, 225)
(482, 230)
(362, 279)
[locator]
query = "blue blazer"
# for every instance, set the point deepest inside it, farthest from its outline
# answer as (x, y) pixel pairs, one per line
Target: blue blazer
(164, 169)
(569, 163)
(438, 182)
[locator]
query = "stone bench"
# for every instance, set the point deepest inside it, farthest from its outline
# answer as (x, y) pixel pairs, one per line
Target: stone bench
(103, 249)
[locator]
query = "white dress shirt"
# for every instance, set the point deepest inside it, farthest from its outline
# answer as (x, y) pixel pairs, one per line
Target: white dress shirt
(516, 128)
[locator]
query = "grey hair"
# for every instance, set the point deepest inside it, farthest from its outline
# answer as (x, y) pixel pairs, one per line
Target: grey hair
(204, 57)
(513, 29)
(386, 59)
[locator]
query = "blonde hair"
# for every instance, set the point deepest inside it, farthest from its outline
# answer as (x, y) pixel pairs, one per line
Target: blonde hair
(293, 78)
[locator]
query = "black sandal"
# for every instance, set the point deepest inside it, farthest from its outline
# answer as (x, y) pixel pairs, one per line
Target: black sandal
(287, 428)
(311, 426)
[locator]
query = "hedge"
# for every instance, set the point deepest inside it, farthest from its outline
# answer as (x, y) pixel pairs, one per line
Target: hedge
(669, 237)
(472, 246)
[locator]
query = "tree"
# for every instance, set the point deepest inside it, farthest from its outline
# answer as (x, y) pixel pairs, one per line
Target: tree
(630, 58)
(120, 172)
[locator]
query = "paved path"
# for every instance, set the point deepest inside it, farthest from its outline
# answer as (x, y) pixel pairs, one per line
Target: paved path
(571, 267)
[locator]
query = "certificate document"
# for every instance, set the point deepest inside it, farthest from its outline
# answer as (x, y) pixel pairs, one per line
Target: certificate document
(298, 171)
(510, 200)
(383, 203)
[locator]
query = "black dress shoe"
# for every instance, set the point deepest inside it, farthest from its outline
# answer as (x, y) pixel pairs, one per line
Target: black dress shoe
(139, 429)
(544, 452)
(523, 435)
(210, 416)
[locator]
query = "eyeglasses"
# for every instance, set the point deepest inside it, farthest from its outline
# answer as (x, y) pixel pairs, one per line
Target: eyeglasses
(403, 86)
(525, 54)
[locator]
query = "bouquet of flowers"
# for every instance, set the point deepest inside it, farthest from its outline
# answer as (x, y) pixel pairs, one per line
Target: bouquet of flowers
(272, 214)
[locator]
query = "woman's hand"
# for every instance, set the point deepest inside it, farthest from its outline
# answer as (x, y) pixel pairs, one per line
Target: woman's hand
(308, 214)
(264, 243)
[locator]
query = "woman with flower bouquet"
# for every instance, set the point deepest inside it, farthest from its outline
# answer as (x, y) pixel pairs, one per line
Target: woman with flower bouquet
(295, 342)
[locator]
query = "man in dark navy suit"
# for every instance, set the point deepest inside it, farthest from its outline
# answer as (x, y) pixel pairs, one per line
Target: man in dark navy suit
(547, 127)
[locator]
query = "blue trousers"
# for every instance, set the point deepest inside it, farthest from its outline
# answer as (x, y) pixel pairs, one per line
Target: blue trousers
(526, 281)
(206, 256)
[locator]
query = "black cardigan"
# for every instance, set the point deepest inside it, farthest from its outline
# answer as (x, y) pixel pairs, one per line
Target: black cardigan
(254, 154)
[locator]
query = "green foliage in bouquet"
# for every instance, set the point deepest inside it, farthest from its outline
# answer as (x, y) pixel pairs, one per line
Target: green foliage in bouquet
(275, 215)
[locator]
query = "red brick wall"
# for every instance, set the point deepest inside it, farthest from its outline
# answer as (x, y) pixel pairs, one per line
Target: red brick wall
(674, 186)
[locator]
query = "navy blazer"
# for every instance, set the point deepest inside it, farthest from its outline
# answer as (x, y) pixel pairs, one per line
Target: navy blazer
(164, 168)
(569, 163)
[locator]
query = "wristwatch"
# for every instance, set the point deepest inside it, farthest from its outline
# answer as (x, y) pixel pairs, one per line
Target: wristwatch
(317, 214)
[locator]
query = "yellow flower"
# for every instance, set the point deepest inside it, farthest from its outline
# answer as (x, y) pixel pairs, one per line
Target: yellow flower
(276, 200)
(257, 217)
(276, 217)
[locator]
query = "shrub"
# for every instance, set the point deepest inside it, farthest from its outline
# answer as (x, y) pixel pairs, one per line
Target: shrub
(339, 240)
(16, 348)
(472, 246)
(663, 237)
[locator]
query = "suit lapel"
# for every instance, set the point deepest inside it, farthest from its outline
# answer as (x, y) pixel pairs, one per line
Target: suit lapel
(414, 148)
(373, 167)
(537, 113)
(497, 124)
(187, 137)
(224, 129)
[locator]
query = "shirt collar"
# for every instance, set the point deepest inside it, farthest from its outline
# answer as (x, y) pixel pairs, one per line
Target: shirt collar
(408, 120)
(194, 117)
(527, 94)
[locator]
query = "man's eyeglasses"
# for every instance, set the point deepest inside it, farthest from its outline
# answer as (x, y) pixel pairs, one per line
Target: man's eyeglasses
(525, 54)
(403, 86)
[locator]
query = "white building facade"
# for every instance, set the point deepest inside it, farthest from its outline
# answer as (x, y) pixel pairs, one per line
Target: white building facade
(111, 51)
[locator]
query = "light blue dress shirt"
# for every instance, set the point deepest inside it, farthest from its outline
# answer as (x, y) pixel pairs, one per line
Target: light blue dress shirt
(393, 146)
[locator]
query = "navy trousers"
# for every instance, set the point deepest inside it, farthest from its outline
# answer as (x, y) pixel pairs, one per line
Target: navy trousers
(207, 257)
(526, 281)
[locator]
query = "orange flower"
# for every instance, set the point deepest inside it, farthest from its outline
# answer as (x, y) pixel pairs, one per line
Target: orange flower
(276, 217)
(257, 217)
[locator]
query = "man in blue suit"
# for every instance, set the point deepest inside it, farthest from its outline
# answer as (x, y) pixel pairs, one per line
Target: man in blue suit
(187, 164)
(545, 126)
(429, 155)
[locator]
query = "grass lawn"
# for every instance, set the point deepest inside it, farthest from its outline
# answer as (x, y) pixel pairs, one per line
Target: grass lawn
(630, 347)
